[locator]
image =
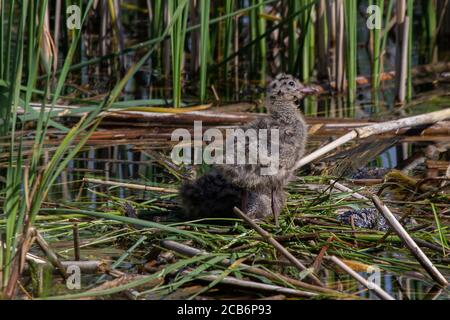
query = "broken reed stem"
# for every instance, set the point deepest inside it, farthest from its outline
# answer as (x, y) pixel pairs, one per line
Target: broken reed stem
(76, 242)
(268, 238)
(374, 129)
(86, 267)
(17, 263)
(403, 63)
(341, 187)
(409, 242)
(401, 38)
(246, 284)
(52, 257)
(121, 280)
(189, 251)
(369, 285)
(327, 148)
(130, 185)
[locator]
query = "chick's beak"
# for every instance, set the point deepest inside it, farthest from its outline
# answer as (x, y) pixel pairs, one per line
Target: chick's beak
(308, 90)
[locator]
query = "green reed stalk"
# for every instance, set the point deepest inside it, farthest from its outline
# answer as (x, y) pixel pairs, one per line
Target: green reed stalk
(14, 172)
(322, 38)
(204, 46)
(253, 60)
(178, 37)
(2, 37)
(214, 32)
(386, 29)
(262, 42)
(307, 41)
(9, 43)
(228, 42)
(157, 20)
(431, 26)
(350, 13)
(377, 53)
(293, 6)
(410, 13)
(312, 38)
(228, 45)
(258, 52)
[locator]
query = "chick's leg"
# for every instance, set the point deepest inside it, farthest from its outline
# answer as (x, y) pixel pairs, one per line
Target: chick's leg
(275, 210)
(244, 204)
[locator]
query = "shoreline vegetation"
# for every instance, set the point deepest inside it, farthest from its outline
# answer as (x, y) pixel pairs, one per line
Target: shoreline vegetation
(88, 190)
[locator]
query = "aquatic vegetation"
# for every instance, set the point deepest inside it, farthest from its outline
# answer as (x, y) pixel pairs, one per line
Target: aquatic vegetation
(86, 116)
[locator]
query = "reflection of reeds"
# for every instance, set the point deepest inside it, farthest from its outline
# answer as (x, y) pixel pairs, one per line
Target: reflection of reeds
(178, 37)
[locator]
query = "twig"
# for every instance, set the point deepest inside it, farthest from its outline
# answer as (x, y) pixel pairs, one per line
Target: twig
(18, 261)
(256, 286)
(52, 257)
(76, 242)
(189, 251)
(409, 242)
(86, 267)
(268, 238)
(400, 49)
(343, 188)
(377, 128)
(130, 185)
(369, 285)
(122, 280)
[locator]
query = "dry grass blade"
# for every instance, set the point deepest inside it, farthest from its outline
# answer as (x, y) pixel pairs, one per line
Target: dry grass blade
(369, 285)
(189, 251)
(409, 242)
(130, 185)
(268, 238)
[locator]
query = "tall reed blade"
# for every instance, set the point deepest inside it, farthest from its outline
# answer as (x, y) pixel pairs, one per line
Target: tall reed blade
(350, 10)
(178, 37)
(377, 50)
(204, 46)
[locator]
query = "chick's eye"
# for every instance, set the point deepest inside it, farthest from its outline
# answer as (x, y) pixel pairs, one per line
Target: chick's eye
(291, 83)
(274, 85)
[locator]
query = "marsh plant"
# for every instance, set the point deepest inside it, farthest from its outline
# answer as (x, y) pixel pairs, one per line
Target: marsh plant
(62, 61)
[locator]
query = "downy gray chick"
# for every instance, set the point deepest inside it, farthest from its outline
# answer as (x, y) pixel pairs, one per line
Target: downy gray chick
(244, 185)
(282, 101)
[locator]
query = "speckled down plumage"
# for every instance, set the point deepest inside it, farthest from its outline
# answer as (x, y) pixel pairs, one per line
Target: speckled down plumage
(218, 192)
(370, 173)
(212, 195)
(369, 218)
(285, 116)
